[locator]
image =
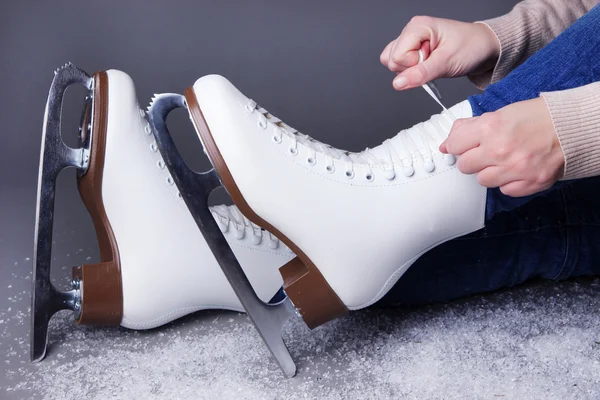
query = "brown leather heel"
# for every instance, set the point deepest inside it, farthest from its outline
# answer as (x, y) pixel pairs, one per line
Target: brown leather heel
(306, 287)
(100, 284)
(100, 301)
(312, 296)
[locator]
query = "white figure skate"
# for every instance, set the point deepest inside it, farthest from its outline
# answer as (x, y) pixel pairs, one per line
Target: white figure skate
(383, 207)
(155, 265)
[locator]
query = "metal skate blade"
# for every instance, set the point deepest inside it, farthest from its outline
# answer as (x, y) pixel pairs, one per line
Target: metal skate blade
(55, 155)
(195, 189)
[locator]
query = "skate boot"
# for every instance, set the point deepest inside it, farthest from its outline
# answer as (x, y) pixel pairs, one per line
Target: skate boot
(155, 266)
(377, 211)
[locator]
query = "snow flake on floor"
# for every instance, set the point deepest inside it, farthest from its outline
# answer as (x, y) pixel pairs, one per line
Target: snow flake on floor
(538, 342)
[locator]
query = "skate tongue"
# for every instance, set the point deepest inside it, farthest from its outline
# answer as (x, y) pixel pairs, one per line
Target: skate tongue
(441, 127)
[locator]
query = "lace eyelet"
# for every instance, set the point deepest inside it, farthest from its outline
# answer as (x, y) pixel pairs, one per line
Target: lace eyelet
(293, 151)
(450, 159)
(170, 180)
(179, 195)
(276, 139)
(429, 166)
(148, 130)
(248, 108)
(311, 161)
(389, 174)
(142, 113)
(240, 233)
(349, 174)
(154, 147)
(369, 177)
(330, 168)
(160, 164)
(262, 124)
(408, 171)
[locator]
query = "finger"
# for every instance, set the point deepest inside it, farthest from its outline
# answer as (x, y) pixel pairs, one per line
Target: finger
(463, 136)
(405, 50)
(426, 49)
(416, 55)
(492, 177)
(443, 148)
(432, 68)
(385, 54)
(473, 161)
(519, 189)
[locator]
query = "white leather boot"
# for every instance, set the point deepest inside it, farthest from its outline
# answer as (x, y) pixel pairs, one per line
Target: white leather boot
(156, 265)
(376, 211)
(167, 269)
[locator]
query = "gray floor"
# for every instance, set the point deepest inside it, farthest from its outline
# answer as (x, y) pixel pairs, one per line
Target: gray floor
(535, 342)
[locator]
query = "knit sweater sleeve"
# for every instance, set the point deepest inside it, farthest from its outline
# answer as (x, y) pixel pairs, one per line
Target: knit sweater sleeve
(527, 28)
(576, 117)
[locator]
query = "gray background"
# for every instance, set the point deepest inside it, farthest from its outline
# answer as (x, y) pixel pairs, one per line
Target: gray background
(316, 65)
(313, 63)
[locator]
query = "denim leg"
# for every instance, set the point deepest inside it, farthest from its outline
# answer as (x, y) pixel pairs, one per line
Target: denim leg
(554, 236)
(571, 60)
(497, 201)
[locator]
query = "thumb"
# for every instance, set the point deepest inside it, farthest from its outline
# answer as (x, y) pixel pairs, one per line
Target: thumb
(432, 68)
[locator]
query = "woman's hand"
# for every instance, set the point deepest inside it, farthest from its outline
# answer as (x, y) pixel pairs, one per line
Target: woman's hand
(451, 48)
(515, 148)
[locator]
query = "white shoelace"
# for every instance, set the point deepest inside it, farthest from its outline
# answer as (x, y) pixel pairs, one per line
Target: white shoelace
(225, 216)
(230, 216)
(421, 142)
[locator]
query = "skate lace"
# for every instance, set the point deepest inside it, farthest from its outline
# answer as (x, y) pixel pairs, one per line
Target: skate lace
(225, 216)
(420, 142)
(231, 216)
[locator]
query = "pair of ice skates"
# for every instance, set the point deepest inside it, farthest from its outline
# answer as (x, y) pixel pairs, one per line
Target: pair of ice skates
(335, 229)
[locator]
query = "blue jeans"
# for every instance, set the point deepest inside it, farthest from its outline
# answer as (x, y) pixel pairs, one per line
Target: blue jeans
(554, 234)
(571, 60)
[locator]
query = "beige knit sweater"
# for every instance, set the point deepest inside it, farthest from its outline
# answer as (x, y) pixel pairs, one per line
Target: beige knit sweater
(575, 112)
